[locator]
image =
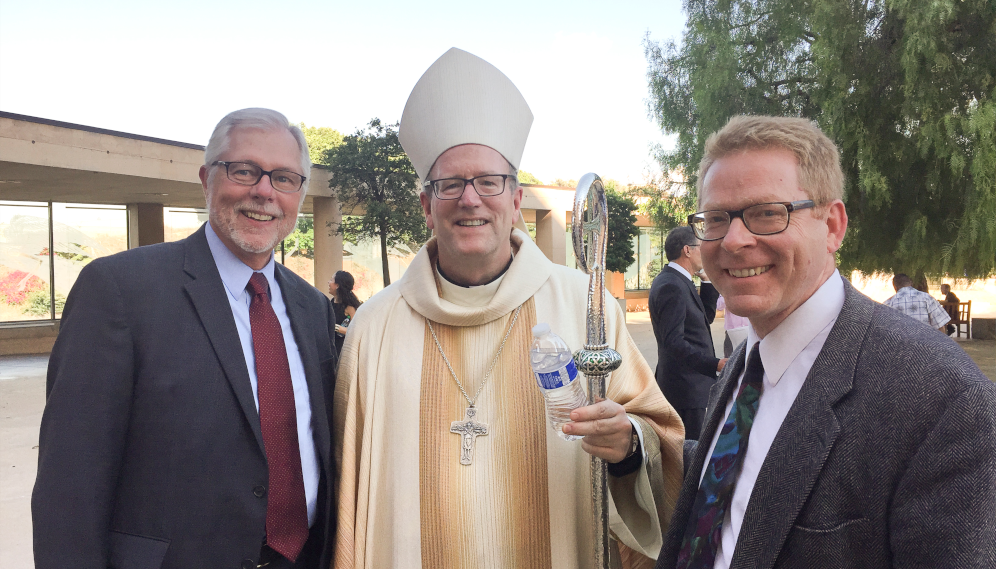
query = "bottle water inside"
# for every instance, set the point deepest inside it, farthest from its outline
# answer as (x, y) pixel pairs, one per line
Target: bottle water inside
(558, 379)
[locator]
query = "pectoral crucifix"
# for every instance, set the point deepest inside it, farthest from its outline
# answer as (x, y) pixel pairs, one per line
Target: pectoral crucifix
(469, 430)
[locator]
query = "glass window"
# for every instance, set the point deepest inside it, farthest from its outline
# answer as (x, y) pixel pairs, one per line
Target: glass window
(24, 262)
(363, 261)
(649, 253)
(182, 222)
(81, 234)
(297, 251)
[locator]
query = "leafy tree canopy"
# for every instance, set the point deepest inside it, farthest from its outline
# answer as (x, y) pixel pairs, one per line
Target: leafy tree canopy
(622, 229)
(527, 178)
(906, 88)
(375, 182)
(320, 139)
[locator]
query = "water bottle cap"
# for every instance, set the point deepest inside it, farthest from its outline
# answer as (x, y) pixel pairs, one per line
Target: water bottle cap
(541, 329)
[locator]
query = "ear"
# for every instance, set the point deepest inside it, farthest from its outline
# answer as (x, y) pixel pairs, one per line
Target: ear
(836, 225)
(516, 203)
(426, 201)
(203, 175)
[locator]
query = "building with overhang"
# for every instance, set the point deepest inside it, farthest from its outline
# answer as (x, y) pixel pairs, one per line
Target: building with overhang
(70, 193)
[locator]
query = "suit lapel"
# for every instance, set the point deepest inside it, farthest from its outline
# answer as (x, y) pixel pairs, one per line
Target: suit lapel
(715, 415)
(803, 442)
(207, 293)
(305, 329)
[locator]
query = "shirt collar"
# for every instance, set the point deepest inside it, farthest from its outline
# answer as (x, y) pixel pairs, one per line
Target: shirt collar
(784, 344)
(680, 269)
(234, 273)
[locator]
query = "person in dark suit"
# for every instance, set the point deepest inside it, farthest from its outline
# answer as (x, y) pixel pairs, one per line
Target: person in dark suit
(190, 388)
(840, 434)
(686, 359)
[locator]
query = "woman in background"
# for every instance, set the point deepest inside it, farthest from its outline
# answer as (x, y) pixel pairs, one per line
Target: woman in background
(344, 303)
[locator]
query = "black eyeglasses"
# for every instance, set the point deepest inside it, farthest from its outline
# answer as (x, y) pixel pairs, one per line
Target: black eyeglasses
(453, 188)
(247, 174)
(759, 219)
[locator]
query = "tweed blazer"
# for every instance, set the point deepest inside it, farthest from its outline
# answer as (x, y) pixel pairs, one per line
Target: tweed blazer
(887, 458)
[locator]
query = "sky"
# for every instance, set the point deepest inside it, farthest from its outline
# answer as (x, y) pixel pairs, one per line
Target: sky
(172, 70)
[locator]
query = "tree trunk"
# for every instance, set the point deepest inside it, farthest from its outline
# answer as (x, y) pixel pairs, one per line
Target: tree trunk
(383, 254)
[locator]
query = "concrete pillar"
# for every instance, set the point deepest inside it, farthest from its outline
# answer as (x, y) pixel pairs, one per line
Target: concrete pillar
(328, 245)
(551, 234)
(145, 224)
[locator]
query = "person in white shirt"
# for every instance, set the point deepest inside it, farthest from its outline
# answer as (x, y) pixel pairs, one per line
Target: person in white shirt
(919, 306)
(850, 436)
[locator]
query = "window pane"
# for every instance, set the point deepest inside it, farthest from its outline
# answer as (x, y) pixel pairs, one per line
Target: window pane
(363, 261)
(298, 249)
(24, 262)
(632, 274)
(182, 222)
(83, 233)
(572, 260)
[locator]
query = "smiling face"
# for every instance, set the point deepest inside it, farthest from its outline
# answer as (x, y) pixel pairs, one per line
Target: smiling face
(765, 278)
(252, 220)
(472, 233)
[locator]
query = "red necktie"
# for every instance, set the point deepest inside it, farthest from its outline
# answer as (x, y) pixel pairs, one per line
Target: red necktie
(286, 509)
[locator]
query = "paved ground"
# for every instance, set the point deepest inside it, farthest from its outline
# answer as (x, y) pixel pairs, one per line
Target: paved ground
(22, 397)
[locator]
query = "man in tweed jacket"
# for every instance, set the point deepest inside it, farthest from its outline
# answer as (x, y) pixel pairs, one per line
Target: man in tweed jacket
(873, 443)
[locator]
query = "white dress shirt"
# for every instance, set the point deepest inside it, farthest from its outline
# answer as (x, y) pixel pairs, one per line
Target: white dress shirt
(680, 269)
(235, 275)
(788, 353)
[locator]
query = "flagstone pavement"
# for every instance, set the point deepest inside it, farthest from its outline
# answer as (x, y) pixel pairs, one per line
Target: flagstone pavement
(22, 398)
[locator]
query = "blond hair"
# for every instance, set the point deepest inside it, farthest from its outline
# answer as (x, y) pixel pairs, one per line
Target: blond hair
(818, 161)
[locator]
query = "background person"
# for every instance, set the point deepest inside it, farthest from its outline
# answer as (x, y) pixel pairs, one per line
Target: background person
(344, 304)
(686, 358)
(918, 305)
(731, 321)
(950, 306)
(189, 390)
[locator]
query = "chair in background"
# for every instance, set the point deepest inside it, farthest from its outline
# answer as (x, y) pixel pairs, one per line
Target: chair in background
(964, 319)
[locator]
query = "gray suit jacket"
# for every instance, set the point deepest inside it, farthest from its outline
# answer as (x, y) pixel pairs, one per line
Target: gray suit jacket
(151, 454)
(887, 458)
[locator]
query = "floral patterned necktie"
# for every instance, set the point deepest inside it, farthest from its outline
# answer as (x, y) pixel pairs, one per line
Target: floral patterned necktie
(705, 523)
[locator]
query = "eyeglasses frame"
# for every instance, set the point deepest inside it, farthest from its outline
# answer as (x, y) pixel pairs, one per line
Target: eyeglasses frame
(734, 214)
(504, 181)
(262, 172)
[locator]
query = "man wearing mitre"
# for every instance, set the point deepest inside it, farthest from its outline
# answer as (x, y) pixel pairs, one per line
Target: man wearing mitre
(449, 343)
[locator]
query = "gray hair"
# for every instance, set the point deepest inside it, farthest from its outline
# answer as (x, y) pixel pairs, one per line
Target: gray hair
(676, 241)
(257, 118)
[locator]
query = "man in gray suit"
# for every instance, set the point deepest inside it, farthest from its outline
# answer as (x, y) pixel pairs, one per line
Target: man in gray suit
(189, 391)
(850, 436)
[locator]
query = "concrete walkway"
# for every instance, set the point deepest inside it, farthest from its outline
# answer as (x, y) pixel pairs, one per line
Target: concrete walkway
(22, 398)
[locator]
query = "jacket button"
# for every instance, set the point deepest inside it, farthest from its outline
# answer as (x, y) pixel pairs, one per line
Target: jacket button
(248, 564)
(259, 491)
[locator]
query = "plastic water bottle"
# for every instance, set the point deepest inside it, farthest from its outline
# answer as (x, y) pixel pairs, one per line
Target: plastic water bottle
(558, 379)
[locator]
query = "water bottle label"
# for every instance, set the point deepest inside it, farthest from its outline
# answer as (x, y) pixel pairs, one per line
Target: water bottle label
(560, 378)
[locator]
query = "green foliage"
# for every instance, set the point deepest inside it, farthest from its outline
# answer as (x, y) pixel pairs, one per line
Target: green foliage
(527, 178)
(320, 139)
(378, 188)
(565, 183)
(39, 303)
(907, 90)
(622, 229)
(301, 241)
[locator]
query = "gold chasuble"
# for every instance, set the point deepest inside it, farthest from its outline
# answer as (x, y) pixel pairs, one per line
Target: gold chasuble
(524, 500)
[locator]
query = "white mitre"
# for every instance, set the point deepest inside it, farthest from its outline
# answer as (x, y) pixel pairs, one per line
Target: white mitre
(462, 99)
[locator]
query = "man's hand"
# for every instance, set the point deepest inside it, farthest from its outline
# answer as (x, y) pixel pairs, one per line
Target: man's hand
(606, 430)
(721, 365)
